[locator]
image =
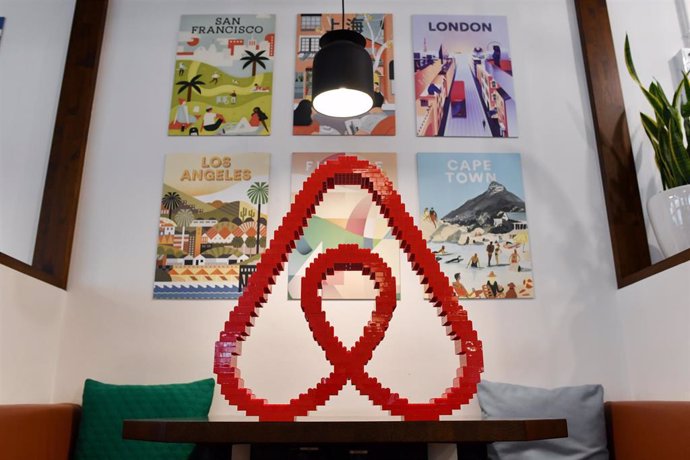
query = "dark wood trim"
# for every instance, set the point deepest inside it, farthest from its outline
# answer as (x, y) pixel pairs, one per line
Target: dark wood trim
(658, 267)
(232, 432)
(619, 176)
(55, 233)
(25, 268)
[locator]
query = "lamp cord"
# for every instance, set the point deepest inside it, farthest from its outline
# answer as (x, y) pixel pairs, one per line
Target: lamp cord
(342, 20)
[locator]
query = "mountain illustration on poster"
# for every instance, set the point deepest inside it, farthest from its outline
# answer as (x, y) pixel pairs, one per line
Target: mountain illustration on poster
(474, 218)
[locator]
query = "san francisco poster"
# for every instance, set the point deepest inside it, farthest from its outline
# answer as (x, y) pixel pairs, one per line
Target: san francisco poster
(474, 219)
(463, 72)
(223, 77)
(212, 225)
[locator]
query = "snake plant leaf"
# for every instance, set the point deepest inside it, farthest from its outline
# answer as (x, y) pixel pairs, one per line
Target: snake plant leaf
(669, 130)
(655, 89)
(629, 62)
(650, 127)
(656, 103)
(679, 155)
(663, 158)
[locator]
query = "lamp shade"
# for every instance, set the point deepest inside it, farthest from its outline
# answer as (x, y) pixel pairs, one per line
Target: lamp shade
(342, 75)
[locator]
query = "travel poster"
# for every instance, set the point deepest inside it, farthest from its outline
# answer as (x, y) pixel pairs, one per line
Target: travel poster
(463, 72)
(346, 215)
(474, 219)
(223, 78)
(377, 29)
(212, 226)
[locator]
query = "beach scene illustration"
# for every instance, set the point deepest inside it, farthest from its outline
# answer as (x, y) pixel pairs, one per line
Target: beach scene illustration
(474, 219)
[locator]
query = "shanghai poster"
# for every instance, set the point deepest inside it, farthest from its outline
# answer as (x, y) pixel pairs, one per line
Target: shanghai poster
(223, 77)
(474, 219)
(212, 225)
(463, 72)
(377, 29)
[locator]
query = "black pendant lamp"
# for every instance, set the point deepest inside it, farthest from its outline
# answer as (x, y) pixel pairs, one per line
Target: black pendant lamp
(342, 75)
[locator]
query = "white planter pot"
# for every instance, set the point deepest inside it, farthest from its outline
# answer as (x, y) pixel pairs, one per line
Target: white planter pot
(669, 212)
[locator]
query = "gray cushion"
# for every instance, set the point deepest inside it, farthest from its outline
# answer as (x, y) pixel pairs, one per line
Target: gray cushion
(582, 406)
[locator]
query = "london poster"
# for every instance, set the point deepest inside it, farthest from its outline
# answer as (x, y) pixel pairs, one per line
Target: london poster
(463, 77)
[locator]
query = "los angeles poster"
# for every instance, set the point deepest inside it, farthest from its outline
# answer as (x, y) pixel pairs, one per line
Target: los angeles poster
(473, 217)
(377, 29)
(223, 79)
(212, 226)
(347, 214)
(463, 71)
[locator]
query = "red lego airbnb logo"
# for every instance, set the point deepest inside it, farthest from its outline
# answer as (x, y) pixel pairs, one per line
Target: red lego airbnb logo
(349, 363)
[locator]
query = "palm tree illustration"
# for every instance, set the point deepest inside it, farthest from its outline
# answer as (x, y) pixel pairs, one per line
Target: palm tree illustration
(258, 195)
(171, 201)
(194, 84)
(184, 218)
(253, 59)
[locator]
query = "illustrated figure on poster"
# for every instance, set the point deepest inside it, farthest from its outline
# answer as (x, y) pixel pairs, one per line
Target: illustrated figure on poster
(474, 261)
(459, 288)
(258, 118)
(493, 287)
(497, 251)
(181, 68)
(433, 217)
(214, 78)
(441, 251)
(212, 120)
(497, 56)
(515, 261)
(511, 293)
(302, 118)
(489, 252)
(182, 116)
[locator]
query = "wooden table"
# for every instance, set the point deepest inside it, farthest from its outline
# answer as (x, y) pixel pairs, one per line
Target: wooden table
(363, 440)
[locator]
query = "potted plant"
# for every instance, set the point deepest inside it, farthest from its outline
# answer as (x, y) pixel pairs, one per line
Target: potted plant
(669, 133)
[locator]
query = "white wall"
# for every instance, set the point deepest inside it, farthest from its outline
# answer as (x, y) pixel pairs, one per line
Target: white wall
(32, 60)
(579, 329)
(31, 315)
(567, 335)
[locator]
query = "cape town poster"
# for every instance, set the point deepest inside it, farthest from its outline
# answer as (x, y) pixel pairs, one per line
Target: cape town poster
(347, 215)
(212, 225)
(377, 29)
(223, 77)
(463, 72)
(474, 219)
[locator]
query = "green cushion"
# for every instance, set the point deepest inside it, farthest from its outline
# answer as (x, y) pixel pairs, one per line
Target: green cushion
(105, 406)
